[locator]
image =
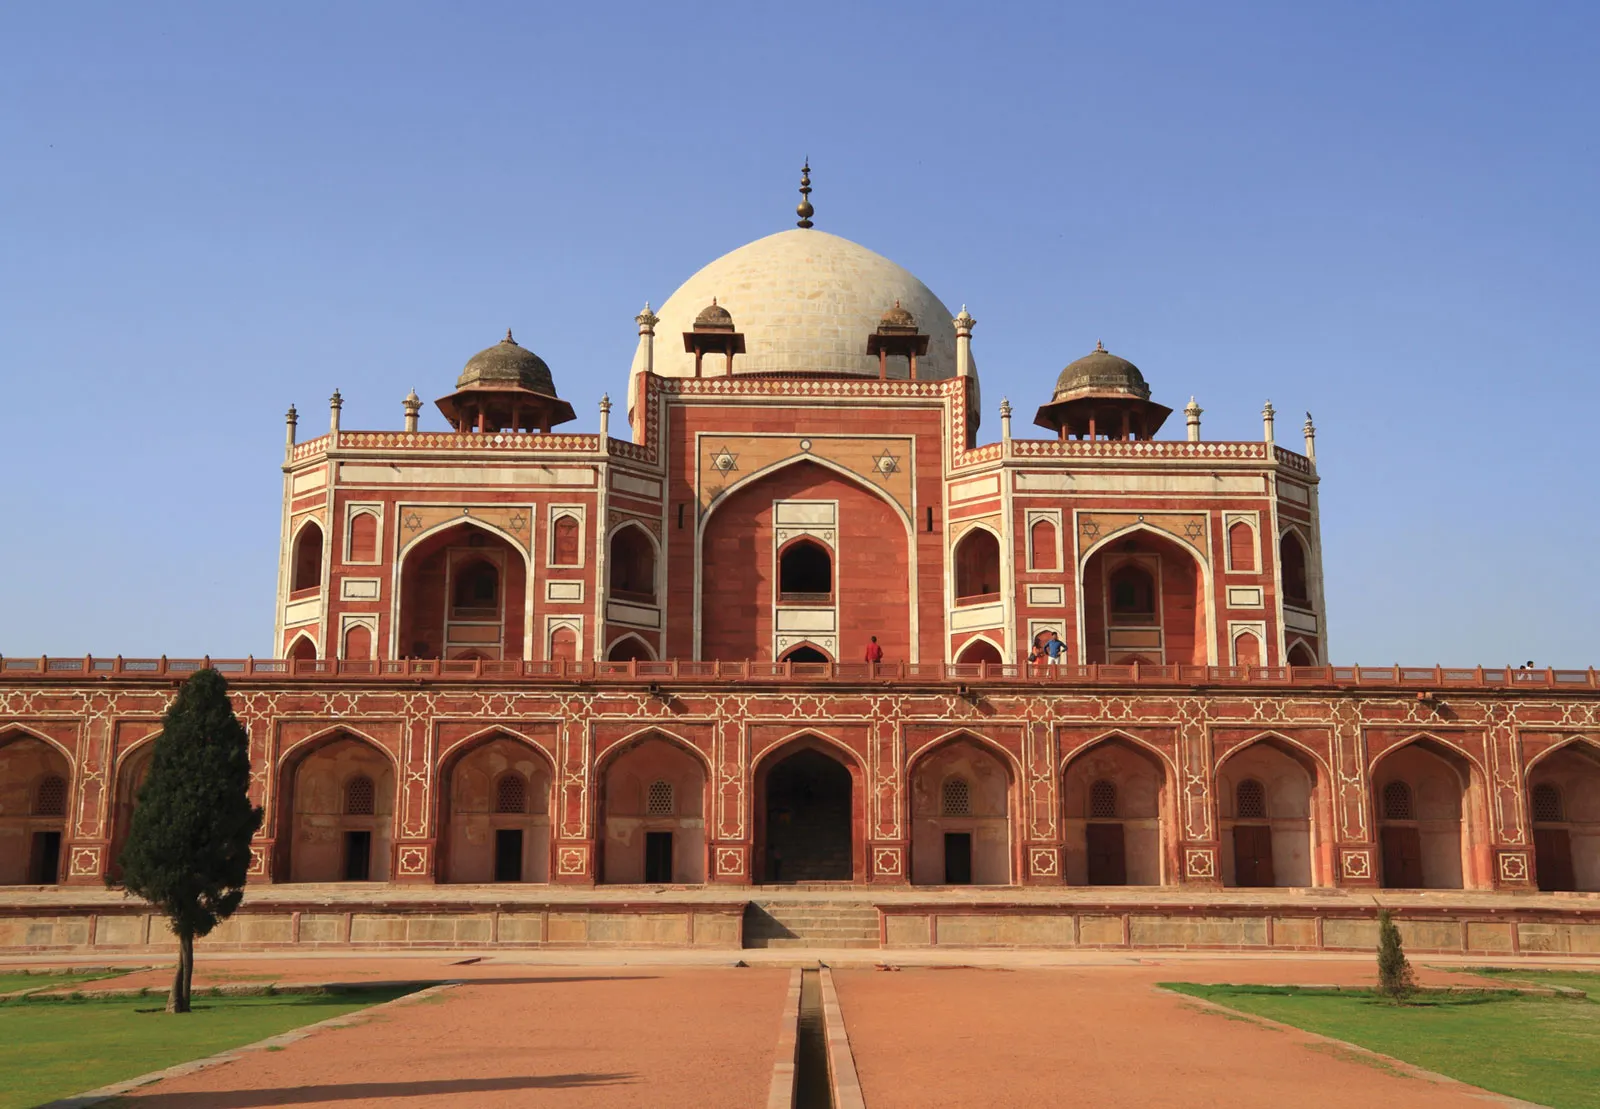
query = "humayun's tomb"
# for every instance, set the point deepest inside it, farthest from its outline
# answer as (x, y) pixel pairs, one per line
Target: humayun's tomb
(542, 687)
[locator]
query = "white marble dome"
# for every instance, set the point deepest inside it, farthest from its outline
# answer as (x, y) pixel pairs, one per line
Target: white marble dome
(805, 302)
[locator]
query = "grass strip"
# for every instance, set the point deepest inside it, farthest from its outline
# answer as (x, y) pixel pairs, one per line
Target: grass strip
(45, 980)
(1539, 1049)
(55, 1048)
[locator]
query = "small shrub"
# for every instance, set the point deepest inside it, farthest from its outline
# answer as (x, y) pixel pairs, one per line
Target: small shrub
(1396, 980)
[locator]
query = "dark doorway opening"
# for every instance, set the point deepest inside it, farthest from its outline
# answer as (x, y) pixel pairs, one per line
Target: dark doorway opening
(805, 654)
(44, 859)
(958, 858)
(1402, 858)
(1552, 851)
(357, 856)
(805, 574)
(1252, 855)
(658, 856)
(808, 820)
(508, 855)
(1108, 862)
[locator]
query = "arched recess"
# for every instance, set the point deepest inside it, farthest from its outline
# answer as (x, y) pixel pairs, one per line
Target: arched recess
(302, 649)
(980, 648)
(489, 832)
(131, 769)
(1241, 546)
(362, 544)
(810, 812)
(305, 561)
(1042, 543)
(651, 815)
(1431, 814)
(736, 584)
(1301, 654)
(628, 648)
(1294, 560)
(1120, 623)
(977, 566)
(1564, 806)
(963, 792)
(1283, 840)
(463, 589)
(1118, 809)
(805, 572)
(317, 837)
(805, 652)
(563, 643)
(35, 800)
(566, 541)
(631, 566)
(1247, 649)
(357, 643)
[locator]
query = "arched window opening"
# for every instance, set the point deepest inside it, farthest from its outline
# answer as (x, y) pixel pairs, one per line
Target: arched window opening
(1247, 650)
(1103, 800)
(360, 796)
(1547, 807)
(978, 567)
(1250, 800)
(50, 798)
(1241, 547)
(358, 643)
(1042, 545)
(1292, 556)
(564, 644)
(1397, 802)
(303, 649)
(805, 653)
(511, 794)
(628, 649)
(1300, 655)
(659, 800)
(363, 537)
(564, 541)
(307, 562)
(980, 650)
(1133, 595)
(805, 574)
(475, 590)
(633, 566)
(956, 797)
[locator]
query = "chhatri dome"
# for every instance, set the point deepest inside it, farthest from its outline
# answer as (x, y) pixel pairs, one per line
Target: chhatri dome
(805, 302)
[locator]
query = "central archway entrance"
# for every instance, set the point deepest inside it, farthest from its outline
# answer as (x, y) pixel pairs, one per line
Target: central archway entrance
(808, 819)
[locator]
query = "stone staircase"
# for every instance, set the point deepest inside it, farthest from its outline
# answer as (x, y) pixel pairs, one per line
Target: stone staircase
(822, 924)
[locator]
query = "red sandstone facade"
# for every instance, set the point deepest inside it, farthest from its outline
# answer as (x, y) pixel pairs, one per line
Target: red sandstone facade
(527, 656)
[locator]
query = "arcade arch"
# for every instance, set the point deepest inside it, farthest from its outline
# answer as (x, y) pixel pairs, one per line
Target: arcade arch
(960, 815)
(629, 648)
(977, 563)
(1427, 802)
(1144, 598)
(979, 650)
(808, 814)
(1564, 804)
(651, 813)
(1270, 803)
(336, 803)
(495, 823)
(632, 565)
(132, 769)
(1115, 798)
(35, 798)
(463, 593)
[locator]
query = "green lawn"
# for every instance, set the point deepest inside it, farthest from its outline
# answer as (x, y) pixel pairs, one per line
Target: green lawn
(51, 1049)
(1544, 1050)
(1585, 980)
(10, 983)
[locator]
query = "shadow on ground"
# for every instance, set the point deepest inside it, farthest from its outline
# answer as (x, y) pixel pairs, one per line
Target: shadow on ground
(303, 1095)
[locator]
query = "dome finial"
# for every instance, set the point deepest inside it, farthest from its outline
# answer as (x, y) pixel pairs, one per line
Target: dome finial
(804, 210)
(508, 338)
(1099, 346)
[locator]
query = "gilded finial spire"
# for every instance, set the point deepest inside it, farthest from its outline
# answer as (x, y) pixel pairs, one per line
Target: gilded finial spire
(804, 210)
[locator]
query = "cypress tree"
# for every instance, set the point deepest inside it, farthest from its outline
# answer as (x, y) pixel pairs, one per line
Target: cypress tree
(1395, 978)
(188, 849)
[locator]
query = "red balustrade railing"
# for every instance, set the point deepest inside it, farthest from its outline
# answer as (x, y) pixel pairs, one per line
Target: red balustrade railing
(1425, 679)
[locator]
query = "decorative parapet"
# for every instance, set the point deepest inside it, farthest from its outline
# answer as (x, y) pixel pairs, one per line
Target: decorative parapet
(1179, 450)
(509, 442)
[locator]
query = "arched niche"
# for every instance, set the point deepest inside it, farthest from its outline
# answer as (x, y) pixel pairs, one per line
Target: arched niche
(652, 813)
(1116, 807)
(302, 649)
(980, 650)
(1272, 805)
(35, 799)
(131, 771)
(1564, 807)
(1429, 805)
(977, 567)
(805, 652)
(629, 648)
(805, 573)
(363, 541)
(1301, 655)
(1143, 596)
(463, 593)
(494, 822)
(631, 566)
(1294, 561)
(961, 816)
(809, 813)
(305, 561)
(327, 830)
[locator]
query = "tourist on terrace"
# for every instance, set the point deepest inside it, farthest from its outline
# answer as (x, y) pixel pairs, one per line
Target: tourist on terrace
(874, 654)
(1053, 648)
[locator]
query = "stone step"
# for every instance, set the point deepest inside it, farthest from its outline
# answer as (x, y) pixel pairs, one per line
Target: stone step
(814, 943)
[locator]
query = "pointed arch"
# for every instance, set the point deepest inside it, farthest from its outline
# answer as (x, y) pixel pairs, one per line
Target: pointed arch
(644, 734)
(302, 648)
(975, 842)
(1113, 735)
(1136, 842)
(1294, 566)
(631, 638)
(1300, 751)
(823, 784)
(977, 739)
(1561, 745)
(1294, 849)
(463, 746)
(633, 561)
(798, 738)
(305, 563)
(999, 652)
(306, 745)
(1450, 747)
(977, 561)
(363, 846)
(635, 844)
(1205, 608)
(478, 841)
(805, 645)
(11, 732)
(522, 606)
(796, 460)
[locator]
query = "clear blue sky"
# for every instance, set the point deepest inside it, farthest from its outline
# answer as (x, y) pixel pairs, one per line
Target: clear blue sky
(1382, 213)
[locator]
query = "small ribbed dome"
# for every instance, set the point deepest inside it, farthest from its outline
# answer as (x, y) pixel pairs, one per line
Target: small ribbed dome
(1101, 373)
(508, 364)
(714, 316)
(898, 317)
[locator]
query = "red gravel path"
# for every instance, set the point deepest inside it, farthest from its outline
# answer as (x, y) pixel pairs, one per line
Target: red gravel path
(1103, 1037)
(569, 1037)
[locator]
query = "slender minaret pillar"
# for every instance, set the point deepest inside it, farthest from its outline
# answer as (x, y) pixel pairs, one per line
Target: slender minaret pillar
(964, 324)
(335, 403)
(605, 417)
(647, 321)
(1311, 440)
(413, 406)
(291, 420)
(1267, 412)
(1005, 420)
(1191, 416)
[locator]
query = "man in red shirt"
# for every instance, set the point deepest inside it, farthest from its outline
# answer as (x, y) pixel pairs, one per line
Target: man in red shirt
(874, 652)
